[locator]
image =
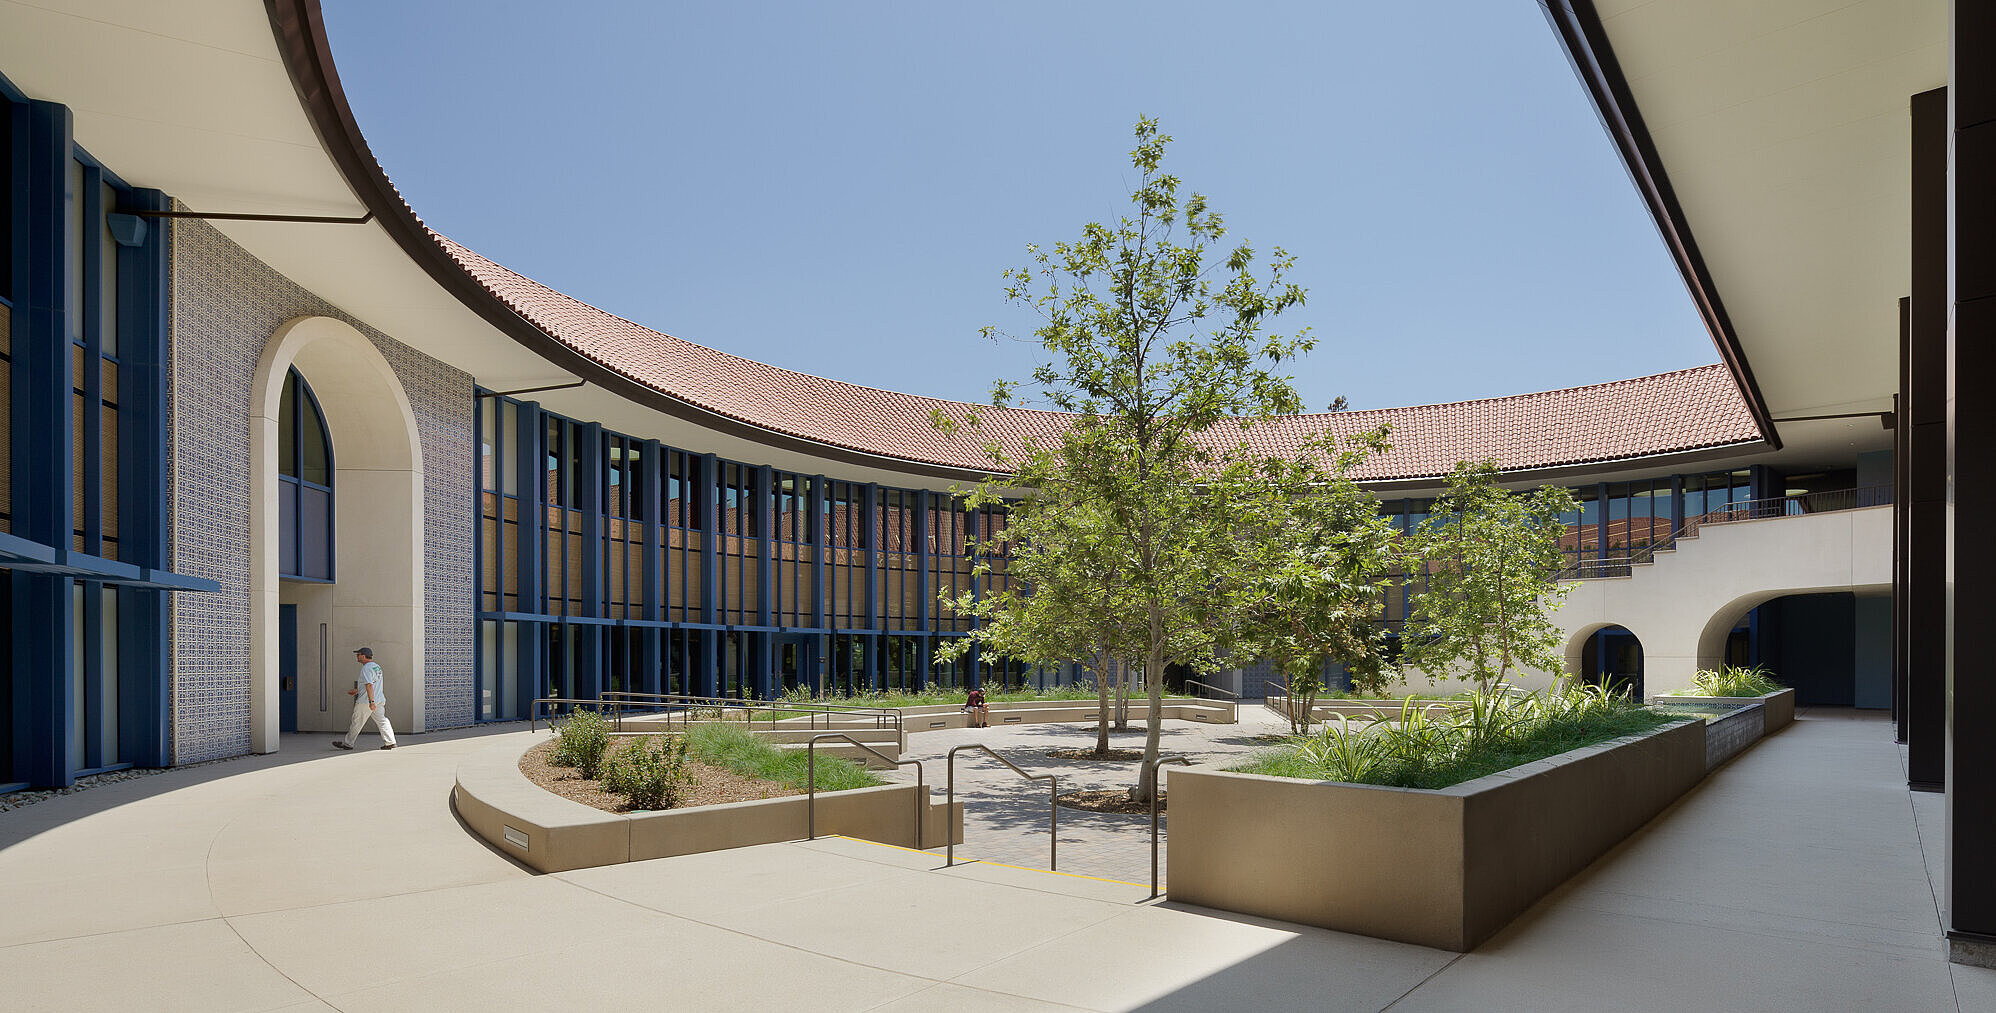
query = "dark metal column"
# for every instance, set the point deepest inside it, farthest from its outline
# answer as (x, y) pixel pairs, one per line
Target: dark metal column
(42, 452)
(1926, 462)
(650, 492)
(707, 676)
(1970, 898)
(1902, 529)
(142, 521)
(530, 551)
(924, 558)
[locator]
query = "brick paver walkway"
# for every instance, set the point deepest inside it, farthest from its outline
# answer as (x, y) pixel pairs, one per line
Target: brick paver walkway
(1005, 816)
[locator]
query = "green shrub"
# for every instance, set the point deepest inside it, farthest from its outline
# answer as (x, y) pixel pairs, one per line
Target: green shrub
(1732, 681)
(1492, 731)
(648, 772)
(581, 741)
(735, 748)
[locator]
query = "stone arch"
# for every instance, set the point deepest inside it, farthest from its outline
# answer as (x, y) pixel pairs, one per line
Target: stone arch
(376, 597)
(1576, 641)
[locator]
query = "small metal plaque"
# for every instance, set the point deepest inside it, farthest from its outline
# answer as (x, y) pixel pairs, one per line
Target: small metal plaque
(515, 837)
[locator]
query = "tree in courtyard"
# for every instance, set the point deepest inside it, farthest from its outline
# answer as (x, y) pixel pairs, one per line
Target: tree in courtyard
(1059, 599)
(1315, 559)
(1489, 557)
(1152, 333)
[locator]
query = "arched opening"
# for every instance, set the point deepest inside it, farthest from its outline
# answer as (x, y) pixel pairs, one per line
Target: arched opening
(1833, 646)
(1612, 657)
(332, 420)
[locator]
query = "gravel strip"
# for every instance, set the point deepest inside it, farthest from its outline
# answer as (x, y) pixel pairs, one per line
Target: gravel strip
(24, 799)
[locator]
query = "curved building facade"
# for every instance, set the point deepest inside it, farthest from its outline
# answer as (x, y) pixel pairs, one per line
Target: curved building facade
(258, 414)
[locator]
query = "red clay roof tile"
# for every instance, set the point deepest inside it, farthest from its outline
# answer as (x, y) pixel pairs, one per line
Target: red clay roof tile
(1689, 409)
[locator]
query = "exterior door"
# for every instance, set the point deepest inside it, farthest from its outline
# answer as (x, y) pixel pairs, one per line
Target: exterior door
(287, 668)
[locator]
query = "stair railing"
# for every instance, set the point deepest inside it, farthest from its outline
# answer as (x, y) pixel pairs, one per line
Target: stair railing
(1053, 802)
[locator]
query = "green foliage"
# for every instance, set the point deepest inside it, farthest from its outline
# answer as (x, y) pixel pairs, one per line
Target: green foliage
(581, 741)
(1488, 732)
(1490, 558)
(1733, 681)
(735, 748)
(1307, 582)
(1152, 334)
(648, 772)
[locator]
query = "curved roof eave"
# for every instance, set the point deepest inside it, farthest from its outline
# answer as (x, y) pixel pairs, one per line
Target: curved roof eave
(1682, 412)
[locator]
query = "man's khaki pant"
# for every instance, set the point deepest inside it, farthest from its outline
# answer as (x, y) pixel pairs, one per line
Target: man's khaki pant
(380, 716)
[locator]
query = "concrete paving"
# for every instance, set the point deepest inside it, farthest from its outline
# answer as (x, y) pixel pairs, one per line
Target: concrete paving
(1792, 879)
(1005, 816)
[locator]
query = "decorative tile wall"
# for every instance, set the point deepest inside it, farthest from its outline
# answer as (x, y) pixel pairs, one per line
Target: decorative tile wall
(224, 306)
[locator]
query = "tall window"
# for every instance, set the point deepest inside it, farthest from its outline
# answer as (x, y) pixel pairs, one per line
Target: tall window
(304, 485)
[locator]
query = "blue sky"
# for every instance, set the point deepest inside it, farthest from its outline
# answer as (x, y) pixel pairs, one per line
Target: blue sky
(836, 187)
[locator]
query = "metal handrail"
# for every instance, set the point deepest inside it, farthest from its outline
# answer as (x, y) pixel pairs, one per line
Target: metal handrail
(534, 709)
(1230, 694)
(1053, 803)
(811, 786)
(1156, 791)
(882, 716)
(1800, 504)
(1288, 711)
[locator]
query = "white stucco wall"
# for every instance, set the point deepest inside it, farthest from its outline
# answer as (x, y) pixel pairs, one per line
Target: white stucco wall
(1682, 606)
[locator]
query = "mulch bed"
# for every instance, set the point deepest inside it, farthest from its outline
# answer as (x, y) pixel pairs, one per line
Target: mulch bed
(1110, 800)
(1113, 755)
(709, 785)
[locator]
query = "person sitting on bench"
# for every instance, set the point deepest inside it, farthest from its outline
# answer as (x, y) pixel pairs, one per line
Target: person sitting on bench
(980, 712)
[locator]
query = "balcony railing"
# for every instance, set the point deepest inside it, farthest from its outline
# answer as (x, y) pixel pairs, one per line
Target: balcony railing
(1831, 501)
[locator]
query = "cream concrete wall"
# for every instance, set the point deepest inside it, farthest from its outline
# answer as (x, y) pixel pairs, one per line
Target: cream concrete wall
(377, 597)
(1683, 606)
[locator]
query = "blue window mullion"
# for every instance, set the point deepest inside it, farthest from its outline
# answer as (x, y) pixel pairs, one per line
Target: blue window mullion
(90, 456)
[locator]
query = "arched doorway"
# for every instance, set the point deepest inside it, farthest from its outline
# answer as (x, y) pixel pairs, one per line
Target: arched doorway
(1610, 656)
(369, 590)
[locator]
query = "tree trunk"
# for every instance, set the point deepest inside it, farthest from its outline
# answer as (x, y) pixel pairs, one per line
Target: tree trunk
(1153, 724)
(1123, 699)
(1102, 707)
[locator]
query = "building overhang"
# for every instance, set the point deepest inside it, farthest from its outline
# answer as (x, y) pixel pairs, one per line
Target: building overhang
(234, 107)
(1770, 141)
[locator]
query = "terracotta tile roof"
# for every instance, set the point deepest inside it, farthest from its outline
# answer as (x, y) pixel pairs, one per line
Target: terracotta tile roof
(1686, 410)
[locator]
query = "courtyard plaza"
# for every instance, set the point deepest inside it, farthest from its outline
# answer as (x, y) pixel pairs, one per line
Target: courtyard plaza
(1796, 877)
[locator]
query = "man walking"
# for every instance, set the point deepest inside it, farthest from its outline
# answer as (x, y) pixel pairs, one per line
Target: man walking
(368, 701)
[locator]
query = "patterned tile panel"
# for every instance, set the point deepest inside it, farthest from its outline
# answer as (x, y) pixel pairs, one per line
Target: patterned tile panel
(225, 304)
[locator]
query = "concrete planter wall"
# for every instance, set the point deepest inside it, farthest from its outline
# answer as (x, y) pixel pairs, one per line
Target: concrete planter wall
(1446, 868)
(1780, 705)
(553, 834)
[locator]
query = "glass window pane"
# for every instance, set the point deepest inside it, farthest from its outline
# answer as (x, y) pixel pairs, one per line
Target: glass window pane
(315, 464)
(287, 428)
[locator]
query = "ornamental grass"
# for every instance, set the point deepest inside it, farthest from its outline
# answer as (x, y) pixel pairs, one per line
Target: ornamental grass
(1488, 732)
